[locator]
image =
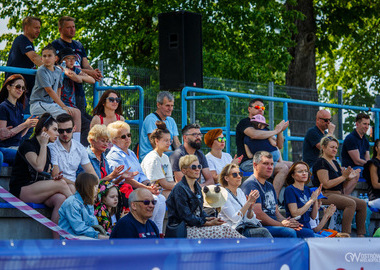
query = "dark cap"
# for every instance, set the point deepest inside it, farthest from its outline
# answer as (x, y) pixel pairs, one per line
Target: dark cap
(65, 52)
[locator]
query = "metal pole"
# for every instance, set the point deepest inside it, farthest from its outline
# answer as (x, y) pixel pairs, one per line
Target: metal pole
(271, 105)
(192, 109)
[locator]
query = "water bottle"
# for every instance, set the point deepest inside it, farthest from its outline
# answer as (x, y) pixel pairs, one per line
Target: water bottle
(365, 198)
(361, 196)
(63, 64)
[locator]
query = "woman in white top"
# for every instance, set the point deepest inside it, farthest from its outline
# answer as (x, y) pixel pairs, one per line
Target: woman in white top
(238, 211)
(217, 159)
(156, 164)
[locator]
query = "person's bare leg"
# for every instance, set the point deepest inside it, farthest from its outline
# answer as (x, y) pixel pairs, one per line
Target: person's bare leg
(280, 173)
(40, 191)
(55, 202)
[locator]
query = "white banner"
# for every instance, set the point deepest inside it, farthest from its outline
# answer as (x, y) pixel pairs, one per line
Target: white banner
(344, 253)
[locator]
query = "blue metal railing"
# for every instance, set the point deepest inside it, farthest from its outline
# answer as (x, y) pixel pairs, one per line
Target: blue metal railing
(285, 101)
(97, 88)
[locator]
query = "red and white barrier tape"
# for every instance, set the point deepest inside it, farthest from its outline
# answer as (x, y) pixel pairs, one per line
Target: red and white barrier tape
(26, 209)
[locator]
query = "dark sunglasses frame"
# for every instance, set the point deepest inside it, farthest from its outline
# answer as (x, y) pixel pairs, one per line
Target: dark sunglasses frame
(147, 202)
(194, 167)
(18, 86)
(326, 119)
(112, 99)
(235, 175)
(129, 135)
(62, 130)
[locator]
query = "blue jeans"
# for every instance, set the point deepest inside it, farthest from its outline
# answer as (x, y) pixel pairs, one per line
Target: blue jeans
(9, 155)
(1, 159)
(278, 231)
(305, 233)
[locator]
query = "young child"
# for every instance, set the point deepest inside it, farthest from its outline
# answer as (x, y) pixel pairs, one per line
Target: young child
(253, 145)
(72, 77)
(315, 224)
(46, 92)
(108, 206)
(76, 214)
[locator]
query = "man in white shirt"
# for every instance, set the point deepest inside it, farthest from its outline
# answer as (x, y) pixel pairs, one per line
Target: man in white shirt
(67, 154)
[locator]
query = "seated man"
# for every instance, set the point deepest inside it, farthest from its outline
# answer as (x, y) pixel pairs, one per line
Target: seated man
(266, 208)
(245, 128)
(311, 144)
(355, 150)
(192, 141)
(165, 105)
(137, 223)
(68, 154)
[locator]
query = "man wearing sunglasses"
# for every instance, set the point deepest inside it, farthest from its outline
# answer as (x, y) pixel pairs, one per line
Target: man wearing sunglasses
(137, 223)
(68, 154)
(165, 106)
(192, 142)
(311, 144)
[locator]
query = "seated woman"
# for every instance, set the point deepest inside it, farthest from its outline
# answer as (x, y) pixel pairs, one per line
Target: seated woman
(120, 154)
(185, 204)
(31, 180)
(156, 164)
(108, 109)
(217, 159)
(337, 184)
(77, 212)
(299, 201)
(238, 210)
(371, 173)
(12, 98)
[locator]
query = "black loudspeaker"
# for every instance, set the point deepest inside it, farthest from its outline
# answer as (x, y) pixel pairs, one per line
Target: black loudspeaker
(180, 47)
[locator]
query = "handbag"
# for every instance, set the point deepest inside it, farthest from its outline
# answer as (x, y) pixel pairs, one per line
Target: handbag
(176, 230)
(243, 227)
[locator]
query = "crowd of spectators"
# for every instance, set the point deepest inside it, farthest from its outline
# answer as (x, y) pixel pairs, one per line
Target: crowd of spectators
(108, 190)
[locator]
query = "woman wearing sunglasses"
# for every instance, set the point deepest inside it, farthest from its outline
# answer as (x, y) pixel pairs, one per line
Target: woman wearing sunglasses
(12, 99)
(108, 110)
(156, 164)
(337, 185)
(120, 154)
(216, 158)
(31, 178)
(185, 204)
(238, 210)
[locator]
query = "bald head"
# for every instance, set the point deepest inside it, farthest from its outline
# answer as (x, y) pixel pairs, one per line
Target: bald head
(323, 119)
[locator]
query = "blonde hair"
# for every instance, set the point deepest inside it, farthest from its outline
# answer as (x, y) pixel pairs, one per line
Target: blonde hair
(325, 141)
(185, 161)
(97, 132)
(115, 127)
(226, 171)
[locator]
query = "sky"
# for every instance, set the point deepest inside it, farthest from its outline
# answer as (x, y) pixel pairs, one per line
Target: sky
(4, 29)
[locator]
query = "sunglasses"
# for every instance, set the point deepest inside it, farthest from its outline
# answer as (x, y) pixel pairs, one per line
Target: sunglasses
(326, 119)
(221, 139)
(112, 99)
(235, 175)
(194, 134)
(257, 107)
(129, 135)
(194, 167)
(19, 86)
(147, 202)
(63, 130)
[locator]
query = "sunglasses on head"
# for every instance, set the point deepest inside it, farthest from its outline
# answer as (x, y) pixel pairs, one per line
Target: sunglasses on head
(221, 139)
(19, 86)
(125, 136)
(257, 107)
(235, 175)
(63, 130)
(326, 119)
(194, 167)
(147, 202)
(112, 99)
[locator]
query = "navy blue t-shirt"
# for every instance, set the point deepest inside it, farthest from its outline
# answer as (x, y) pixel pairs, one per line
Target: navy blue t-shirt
(14, 116)
(80, 53)
(352, 142)
(241, 126)
(129, 227)
(310, 152)
(268, 198)
(17, 58)
(256, 145)
(300, 197)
